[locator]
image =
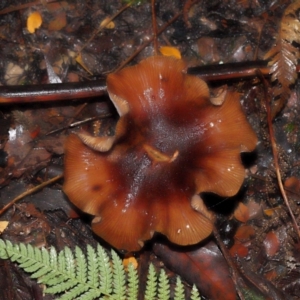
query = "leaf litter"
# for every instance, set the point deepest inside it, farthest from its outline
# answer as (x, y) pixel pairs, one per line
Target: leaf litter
(255, 226)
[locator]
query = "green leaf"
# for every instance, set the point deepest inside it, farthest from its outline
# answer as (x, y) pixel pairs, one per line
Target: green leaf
(179, 290)
(61, 261)
(118, 276)
(151, 286)
(164, 286)
(133, 283)
(45, 257)
(74, 275)
(251, 295)
(74, 293)
(69, 262)
(61, 287)
(105, 271)
(52, 257)
(47, 277)
(195, 294)
(81, 271)
(92, 266)
(41, 272)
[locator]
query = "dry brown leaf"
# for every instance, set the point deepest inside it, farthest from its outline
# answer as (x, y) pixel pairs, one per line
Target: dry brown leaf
(290, 24)
(81, 62)
(292, 188)
(244, 233)
(3, 225)
(203, 266)
(283, 56)
(170, 51)
(107, 23)
(270, 211)
(241, 213)
(59, 22)
(239, 250)
(271, 243)
(34, 21)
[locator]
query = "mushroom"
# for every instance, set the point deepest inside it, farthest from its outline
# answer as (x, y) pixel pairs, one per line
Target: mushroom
(170, 144)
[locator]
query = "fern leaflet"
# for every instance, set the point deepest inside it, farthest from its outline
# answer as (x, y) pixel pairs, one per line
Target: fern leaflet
(179, 290)
(133, 283)
(74, 274)
(118, 277)
(195, 294)
(164, 286)
(151, 284)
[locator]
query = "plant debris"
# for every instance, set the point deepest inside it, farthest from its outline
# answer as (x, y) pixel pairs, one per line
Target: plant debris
(255, 226)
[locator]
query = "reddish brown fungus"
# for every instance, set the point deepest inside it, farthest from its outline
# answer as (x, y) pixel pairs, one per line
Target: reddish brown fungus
(171, 143)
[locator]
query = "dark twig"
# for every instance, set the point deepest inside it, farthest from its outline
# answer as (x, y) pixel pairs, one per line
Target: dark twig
(237, 70)
(275, 151)
(51, 92)
(154, 27)
(23, 6)
(237, 279)
(30, 191)
(161, 30)
(78, 123)
(105, 24)
(79, 90)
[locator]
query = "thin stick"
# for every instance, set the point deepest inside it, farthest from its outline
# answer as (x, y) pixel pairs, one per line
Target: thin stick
(147, 43)
(79, 90)
(188, 4)
(154, 27)
(22, 6)
(275, 153)
(78, 123)
(51, 92)
(229, 71)
(103, 25)
(237, 279)
(30, 191)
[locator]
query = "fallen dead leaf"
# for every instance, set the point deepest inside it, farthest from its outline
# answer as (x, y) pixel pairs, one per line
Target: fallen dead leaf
(170, 51)
(205, 267)
(108, 25)
(241, 213)
(270, 211)
(13, 74)
(239, 250)
(59, 22)
(34, 21)
(82, 64)
(271, 243)
(244, 233)
(3, 225)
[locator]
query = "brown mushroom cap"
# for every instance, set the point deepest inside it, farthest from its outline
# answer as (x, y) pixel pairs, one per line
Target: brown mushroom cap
(170, 144)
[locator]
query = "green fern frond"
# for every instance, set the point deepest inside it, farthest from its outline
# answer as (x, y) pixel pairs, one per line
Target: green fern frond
(251, 295)
(92, 264)
(164, 286)
(179, 290)
(195, 294)
(118, 277)
(81, 270)
(74, 274)
(133, 283)
(151, 286)
(104, 271)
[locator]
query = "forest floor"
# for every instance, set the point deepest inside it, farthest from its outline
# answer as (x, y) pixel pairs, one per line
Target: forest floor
(255, 225)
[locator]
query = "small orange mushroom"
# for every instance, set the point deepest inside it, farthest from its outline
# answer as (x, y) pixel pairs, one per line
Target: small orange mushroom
(171, 143)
